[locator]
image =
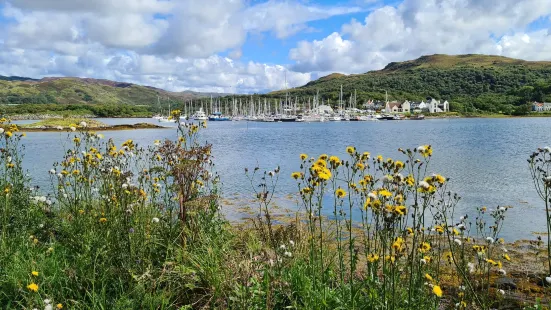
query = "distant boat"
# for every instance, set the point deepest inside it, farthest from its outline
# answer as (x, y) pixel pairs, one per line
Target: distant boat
(217, 116)
(163, 119)
(417, 117)
(200, 115)
(335, 118)
(300, 118)
(285, 119)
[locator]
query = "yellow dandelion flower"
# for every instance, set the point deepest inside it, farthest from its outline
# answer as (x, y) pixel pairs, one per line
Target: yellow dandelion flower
(379, 158)
(365, 155)
(428, 277)
(35, 273)
(102, 220)
(350, 150)
(323, 157)
(427, 258)
(437, 290)
(32, 287)
(506, 257)
(399, 165)
(303, 156)
(76, 140)
(385, 193)
(439, 229)
(59, 306)
(400, 210)
(321, 163)
(340, 193)
(398, 244)
(424, 248)
(372, 258)
(296, 175)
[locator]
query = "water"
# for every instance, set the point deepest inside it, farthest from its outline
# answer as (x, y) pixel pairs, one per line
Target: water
(485, 158)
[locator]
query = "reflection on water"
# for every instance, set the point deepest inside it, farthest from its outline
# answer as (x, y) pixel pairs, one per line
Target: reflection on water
(485, 158)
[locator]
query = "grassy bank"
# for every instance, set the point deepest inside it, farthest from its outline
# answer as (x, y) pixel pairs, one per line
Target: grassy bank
(139, 227)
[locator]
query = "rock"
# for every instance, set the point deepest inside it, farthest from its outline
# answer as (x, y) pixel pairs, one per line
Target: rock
(506, 283)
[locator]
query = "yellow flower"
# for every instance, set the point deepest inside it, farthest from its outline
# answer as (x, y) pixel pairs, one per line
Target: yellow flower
(35, 273)
(102, 220)
(335, 161)
(365, 155)
(303, 156)
(424, 248)
(307, 190)
(400, 210)
(506, 257)
(439, 229)
(59, 306)
(385, 193)
(399, 165)
(320, 163)
(425, 150)
(98, 156)
(340, 193)
(409, 230)
(372, 258)
(323, 157)
(440, 179)
(350, 150)
(296, 175)
(398, 244)
(379, 158)
(360, 166)
(81, 211)
(437, 290)
(76, 140)
(428, 277)
(427, 258)
(33, 287)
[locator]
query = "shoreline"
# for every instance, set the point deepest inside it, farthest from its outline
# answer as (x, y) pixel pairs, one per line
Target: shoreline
(102, 128)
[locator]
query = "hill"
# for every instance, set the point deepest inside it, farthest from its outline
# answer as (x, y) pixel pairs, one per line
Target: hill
(469, 82)
(20, 90)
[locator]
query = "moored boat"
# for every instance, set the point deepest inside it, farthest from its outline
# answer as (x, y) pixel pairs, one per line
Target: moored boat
(417, 117)
(217, 117)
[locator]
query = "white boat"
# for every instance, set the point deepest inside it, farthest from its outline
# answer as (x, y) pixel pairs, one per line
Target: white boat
(157, 116)
(300, 118)
(335, 118)
(200, 115)
(163, 119)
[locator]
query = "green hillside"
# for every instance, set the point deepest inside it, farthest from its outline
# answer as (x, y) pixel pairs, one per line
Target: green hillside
(78, 90)
(469, 82)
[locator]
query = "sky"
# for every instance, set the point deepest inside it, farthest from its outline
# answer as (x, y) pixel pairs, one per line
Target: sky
(255, 46)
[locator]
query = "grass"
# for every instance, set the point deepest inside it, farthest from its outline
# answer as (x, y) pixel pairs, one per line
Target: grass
(64, 122)
(139, 227)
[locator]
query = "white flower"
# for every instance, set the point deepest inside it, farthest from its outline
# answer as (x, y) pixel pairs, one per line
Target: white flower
(72, 128)
(59, 128)
(48, 307)
(124, 186)
(83, 124)
(423, 261)
(9, 159)
(288, 254)
(41, 226)
(47, 301)
(291, 242)
(283, 247)
(471, 267)
(490, 239)
(372, 195)
(502, 292)
(547, 149)
(502, 272)
(52, 171)
(1, 130)
(59, 175)
(461, 287)
(548, 280)
(421, 148)
(155, 220)
(49, 202)
(42, 199)
(457, 241)
(424, 185)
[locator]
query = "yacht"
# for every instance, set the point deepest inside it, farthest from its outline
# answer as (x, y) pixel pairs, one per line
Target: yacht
(217, 116)
(200, 115)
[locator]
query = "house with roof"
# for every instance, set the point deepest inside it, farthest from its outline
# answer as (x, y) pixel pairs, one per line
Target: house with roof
(541, 106)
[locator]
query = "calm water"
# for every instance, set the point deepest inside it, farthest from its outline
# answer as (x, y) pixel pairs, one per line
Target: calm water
(485, 158)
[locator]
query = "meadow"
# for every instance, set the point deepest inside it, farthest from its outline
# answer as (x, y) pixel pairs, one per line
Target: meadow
(140, 227)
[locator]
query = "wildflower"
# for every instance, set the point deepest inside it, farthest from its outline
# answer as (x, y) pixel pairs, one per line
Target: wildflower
(425, 150)
(385, 193)
(372, 258)
(340, 193)
(424, 248)
(457, 241)
(490, 239)
(409, 230)
(303, 156)
(335, 161)
(350, 150)
(296, 175)
(437, 290)
(291, 242)
(288, 254)
(506, 257)
(548, 280)
(52, 171)
(372, 195)
(35, 273)
(323, 157)
(102, 220)
(360, 166)
(155, 220)
(398, 244)
(32, 287)
(439, 229)
(424, 185)
(47, 301)
(428, 277)
(365, 155)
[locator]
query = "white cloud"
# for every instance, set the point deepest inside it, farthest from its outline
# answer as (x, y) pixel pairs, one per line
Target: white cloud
(421, 27)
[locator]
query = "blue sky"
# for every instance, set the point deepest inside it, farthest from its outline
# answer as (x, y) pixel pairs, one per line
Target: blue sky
(216, 45)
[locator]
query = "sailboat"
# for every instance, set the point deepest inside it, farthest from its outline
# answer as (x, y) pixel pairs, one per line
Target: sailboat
(166, 119)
